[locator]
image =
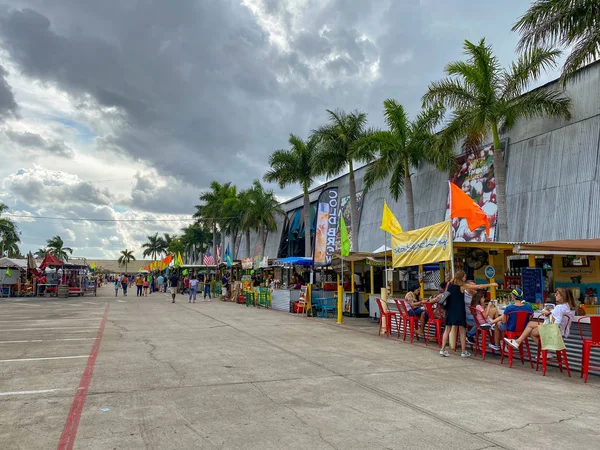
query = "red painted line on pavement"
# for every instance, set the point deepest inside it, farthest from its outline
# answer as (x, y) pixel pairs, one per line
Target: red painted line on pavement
(70, 430)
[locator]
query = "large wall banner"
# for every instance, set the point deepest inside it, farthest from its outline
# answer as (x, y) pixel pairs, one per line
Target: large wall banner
(422, 246)
(476, 178)
(327, 224)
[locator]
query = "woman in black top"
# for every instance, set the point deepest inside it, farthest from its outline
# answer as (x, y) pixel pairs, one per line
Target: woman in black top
(456, 314)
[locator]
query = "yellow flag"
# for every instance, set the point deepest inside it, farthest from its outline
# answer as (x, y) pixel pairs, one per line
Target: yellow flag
(389, 222)
(179, 259)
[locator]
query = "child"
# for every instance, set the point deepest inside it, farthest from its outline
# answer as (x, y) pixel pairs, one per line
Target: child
(116, 287)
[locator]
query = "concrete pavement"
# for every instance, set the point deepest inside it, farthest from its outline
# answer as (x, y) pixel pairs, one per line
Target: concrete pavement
(220, 375)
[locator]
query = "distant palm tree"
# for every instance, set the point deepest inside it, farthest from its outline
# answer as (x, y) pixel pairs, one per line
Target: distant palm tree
(195, 240)
(155, 246)
(296, 166)
(566, 23)
(57, 248)
(210, 212)
(262, 213)
(125, 258)
(9, 233)
(404, 146)
(41, 253)
(337, 150)
(484, 98)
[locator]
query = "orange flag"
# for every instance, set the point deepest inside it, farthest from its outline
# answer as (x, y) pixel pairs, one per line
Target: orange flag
(463, 206)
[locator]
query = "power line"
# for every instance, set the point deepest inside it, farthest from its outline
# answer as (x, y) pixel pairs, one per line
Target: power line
(24, 216)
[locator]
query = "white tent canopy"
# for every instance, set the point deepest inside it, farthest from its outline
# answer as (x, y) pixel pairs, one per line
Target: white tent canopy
(383, 248)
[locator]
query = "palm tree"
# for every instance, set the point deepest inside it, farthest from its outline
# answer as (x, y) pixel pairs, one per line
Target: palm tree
(565, 23)
(485, 98)
(195, 240)
(155, 246)
(262, 213)
(404, 146)
(125, 258)
(41, 252)
(56, 247)
(296, 166)
(337, 150)
(212, 209)
(8, 233)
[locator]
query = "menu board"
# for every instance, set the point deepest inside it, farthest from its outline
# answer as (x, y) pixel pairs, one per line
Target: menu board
(533, 285)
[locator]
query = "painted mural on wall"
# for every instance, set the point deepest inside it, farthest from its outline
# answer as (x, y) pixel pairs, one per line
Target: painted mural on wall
(476, 178)
(345, 210)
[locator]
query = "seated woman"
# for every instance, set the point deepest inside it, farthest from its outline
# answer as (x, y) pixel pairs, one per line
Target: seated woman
(416, 310)
(489, 313)
(565, 307)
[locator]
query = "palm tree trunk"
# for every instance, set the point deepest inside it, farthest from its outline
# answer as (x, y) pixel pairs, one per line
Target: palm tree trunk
(306, 213)
(125, 266)
(410, 201)
(248, 244)
(261, 237)
(353, 208)
(500, 175)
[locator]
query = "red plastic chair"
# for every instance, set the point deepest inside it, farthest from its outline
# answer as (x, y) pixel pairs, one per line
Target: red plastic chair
(387, 316)
(437, 323)
(481, 335)
(403, 306)
(523, 318)
(561, 355)
(588, 343)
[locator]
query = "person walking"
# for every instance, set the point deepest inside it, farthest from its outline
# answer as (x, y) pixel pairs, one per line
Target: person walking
(207, 287)
(174, 281)
(149, 281)
(125, 284)
(455, 311)
(116, 287)
(160, 281)
(193, 289)
(139, 284)
(146, 286)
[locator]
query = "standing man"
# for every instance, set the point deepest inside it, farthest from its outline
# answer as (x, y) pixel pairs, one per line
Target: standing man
(139, 284)
(124, 283)
(160, 280)
(174, 280)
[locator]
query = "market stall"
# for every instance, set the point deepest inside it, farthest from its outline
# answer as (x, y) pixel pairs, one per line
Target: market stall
(11, 276)
(76, 278)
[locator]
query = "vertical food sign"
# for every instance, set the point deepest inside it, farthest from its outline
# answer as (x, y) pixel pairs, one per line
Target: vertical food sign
(327, 223)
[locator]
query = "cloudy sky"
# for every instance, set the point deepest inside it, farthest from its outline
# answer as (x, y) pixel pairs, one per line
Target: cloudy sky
(128, 109)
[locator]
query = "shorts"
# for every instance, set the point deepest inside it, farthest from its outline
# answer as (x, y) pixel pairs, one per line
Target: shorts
(502, 326)
(172, 290)
(417, 312)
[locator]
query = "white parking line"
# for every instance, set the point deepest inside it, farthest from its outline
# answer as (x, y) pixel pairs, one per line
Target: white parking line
(40, 391)
(47, 320)
(121, 301)
(43, 359)
(47, 340)
(57, 328)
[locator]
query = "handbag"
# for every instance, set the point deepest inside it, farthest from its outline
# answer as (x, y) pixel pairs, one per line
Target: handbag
(551, 337)
(444, 300)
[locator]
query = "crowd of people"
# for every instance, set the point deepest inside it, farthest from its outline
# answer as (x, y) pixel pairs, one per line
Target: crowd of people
(146, 284)
(459, 299)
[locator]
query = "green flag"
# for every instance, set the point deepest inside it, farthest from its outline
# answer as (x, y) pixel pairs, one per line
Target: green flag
(345, 241)
(8, 272)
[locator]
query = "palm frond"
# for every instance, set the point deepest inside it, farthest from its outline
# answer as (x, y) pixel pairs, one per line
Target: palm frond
(542, 101)
(527, 68)
(449, 92)
(586, 50)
